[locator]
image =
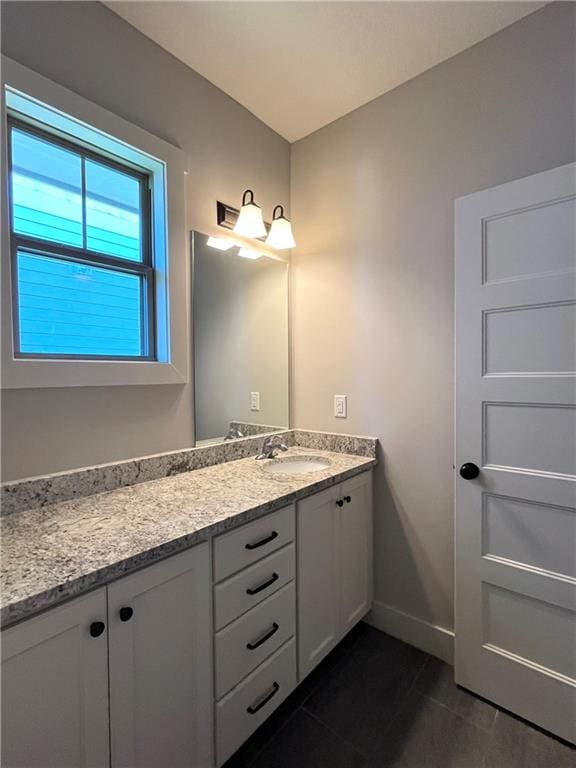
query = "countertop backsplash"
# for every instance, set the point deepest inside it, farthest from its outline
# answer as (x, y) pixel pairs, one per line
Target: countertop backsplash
(35, 492)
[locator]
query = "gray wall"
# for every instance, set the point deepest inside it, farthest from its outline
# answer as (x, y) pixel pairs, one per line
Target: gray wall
(88, 49)
(372, 204)
(240, 311)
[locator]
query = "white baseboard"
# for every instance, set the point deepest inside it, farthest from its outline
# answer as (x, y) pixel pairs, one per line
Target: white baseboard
(437, 641)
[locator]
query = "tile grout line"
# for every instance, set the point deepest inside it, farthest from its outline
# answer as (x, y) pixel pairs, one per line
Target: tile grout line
(404, 699)
(301, 708)
(489, 740)
(267, 742)
(453, 711)
(457, 714)
(340, 663)
(334, 733)
(488, 733)
(400, 704)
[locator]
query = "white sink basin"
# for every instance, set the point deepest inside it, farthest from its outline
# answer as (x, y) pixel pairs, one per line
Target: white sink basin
(295, 465)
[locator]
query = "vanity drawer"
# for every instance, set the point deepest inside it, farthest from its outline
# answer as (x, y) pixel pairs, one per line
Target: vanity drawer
(238, 594)
(245, 643)
(250, 542)
(250, 703)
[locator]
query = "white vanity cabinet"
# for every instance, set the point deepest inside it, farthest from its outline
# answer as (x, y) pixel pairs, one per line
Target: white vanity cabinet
(55, 688)
(152, 630)
(355, 550)
(334, 566)
(255, 625)
(175, 665)
(161, 664)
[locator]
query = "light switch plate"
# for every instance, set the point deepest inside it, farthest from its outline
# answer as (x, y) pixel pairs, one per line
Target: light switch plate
(340, 406)
(254, 401)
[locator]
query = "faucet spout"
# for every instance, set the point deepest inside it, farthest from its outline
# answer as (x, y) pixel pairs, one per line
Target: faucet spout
(270, 449)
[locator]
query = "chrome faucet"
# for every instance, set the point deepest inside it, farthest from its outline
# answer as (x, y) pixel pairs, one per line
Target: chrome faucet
(269, 448)
(234, 433)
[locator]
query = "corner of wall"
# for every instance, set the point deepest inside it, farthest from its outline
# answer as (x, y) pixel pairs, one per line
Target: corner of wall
(432, 639)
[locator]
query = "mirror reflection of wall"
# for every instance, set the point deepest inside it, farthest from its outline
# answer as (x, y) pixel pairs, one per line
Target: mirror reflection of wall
(240, 324)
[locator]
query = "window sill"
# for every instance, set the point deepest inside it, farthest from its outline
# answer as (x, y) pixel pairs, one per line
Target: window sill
(31, 374)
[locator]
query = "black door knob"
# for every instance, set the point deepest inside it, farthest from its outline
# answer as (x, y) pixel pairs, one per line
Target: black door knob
(347, 499)
(469, 471)
(126, 613)
(340, 502)
(96, 628)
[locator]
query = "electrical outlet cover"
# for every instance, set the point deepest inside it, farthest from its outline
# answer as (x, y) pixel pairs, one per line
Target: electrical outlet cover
(340, 406)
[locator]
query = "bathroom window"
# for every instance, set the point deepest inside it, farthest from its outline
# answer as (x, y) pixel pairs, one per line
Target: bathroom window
(83, 275)
(94, 259)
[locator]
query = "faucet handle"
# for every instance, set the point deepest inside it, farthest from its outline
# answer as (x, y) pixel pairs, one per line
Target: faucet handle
(269, 447)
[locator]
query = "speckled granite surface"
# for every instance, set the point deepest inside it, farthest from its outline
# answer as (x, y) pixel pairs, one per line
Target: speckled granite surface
(249, 429)
(332, 441)
(60, 551)
(35, 492)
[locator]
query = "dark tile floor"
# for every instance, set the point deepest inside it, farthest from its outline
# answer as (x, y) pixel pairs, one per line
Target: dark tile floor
(376, 702)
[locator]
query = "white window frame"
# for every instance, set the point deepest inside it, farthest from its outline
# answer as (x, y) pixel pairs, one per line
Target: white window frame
(33, 97)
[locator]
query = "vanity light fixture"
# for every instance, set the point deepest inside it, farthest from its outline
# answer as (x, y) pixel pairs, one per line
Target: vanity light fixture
(250, 222)
(280, 235)
(220, 243)
(249, 253)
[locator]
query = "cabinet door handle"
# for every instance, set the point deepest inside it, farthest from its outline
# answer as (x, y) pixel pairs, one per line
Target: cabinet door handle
(265, 540)
(96, 628)
(340, 503)
(260, 587)
(253, 708)
(126, 613)
(347, 499)
(257, 643)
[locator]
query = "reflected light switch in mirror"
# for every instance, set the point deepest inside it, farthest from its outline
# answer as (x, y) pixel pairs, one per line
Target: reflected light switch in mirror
(254, 401)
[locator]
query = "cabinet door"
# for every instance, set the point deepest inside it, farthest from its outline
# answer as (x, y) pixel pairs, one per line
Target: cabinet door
(161, 664)
(318, 596)
(55, 688)
(355, 561)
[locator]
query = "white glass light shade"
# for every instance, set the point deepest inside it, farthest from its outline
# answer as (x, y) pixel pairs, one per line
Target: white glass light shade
(220, 243)
(250, 222)
(280, 235)
(249, 253)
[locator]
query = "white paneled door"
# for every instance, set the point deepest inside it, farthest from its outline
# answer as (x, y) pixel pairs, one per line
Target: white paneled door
(516, 447)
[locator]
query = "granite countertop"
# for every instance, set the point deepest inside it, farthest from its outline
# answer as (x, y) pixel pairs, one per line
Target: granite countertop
(59, 551)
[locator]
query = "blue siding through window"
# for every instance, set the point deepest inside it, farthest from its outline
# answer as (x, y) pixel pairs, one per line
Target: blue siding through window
(112, 212)
(69, 307)
(66, 308)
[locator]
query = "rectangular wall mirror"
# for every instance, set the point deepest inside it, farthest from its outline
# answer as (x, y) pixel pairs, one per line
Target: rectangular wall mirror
(240, 331)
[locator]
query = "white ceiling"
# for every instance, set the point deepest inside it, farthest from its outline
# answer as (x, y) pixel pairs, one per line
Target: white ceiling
(300, 65)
